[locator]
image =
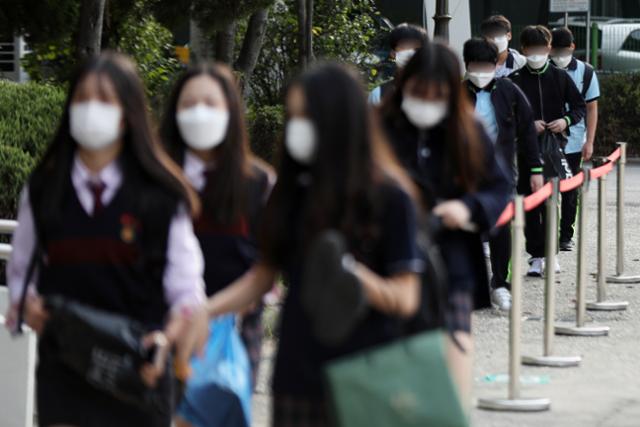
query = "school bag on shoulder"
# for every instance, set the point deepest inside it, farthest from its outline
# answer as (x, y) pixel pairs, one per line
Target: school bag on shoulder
(103, 348)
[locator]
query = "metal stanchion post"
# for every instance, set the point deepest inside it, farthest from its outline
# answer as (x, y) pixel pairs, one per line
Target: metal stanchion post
(620, 276)
(547, 358)
(579, 328)
(514, 402)
(602, 304)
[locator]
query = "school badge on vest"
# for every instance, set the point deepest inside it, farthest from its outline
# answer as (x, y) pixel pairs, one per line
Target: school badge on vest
(129, 228)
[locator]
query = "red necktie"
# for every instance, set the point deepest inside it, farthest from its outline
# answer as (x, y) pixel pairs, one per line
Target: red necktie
(97, 188)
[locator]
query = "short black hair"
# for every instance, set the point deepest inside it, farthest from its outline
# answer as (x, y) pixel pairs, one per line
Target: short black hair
(494, 24)
(561, 37)
(479, 50)
(404, 32)
(535, 35)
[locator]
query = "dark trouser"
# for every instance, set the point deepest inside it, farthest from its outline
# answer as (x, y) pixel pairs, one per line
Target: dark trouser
(570, 201)
(500, 244)
(535, 223)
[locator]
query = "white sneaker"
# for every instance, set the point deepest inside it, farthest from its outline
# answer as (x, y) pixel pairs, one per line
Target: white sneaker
(558, 269)
(487, 250)
(536, 267)
(501, 299)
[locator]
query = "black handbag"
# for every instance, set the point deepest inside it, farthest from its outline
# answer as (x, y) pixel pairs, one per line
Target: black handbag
(102, 347)
(555, 162)
(331, 294)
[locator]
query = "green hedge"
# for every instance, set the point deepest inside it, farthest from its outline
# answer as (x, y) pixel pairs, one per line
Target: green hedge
(15, 166)
(29, 115)
(265, 130)
(619, 113)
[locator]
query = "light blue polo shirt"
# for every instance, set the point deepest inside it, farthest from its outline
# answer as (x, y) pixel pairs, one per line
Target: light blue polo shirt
(487, 114)
(578, 132)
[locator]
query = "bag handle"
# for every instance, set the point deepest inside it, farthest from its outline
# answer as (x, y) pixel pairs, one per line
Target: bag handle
(33, 262)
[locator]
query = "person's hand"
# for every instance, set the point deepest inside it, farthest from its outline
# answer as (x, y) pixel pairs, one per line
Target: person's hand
(454, 214)
(557, 126)
(537, 182)
(188, 329)
(540, 126)
(151, 372)
(587, 151)
(35, 314)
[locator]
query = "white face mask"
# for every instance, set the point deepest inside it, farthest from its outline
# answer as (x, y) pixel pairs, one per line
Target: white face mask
(300, 140)
(501, 42)
(203, 127)
(481, 80)
(424, 114)
(94, 124)
(404, 56)
(562, 61)
(537, 61)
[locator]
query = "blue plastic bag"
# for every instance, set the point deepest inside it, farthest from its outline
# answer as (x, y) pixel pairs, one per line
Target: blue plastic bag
(219, 390)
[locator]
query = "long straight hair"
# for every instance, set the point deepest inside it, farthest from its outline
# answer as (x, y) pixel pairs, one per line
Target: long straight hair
(436, 65)
(351, 161)
(225, 196)
(142, 158)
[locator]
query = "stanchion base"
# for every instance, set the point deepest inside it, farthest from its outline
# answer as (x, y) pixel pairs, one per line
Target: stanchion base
(552, 361)
(516, 405)
(607, 305)
(581, 331)
(623, 279)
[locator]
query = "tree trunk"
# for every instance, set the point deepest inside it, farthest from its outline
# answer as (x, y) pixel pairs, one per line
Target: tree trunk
(225, 43)
(305, 33)
(301, 6)
(90, 34)
(201, 49)
(252, 43)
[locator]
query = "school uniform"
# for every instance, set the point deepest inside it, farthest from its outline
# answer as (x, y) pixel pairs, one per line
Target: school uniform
(108, 253)
(299, 392)
(552, 95)
(424, 156)
(230, 250)
(380, 92)
(513, 63)
(586, 81)
(505, 112)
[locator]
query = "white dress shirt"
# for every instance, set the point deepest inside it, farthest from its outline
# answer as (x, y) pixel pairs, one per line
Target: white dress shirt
(182, 280)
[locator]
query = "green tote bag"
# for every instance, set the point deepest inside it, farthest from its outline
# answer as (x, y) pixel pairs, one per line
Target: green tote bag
(402, 384)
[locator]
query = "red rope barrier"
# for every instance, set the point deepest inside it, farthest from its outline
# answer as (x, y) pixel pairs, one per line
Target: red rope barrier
(571, 183)
(602, 170)
(536, 199)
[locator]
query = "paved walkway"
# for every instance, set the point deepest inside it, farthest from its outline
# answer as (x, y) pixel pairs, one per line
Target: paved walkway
(605, 389)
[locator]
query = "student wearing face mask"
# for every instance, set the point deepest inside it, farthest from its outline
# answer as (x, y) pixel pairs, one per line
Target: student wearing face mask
(404, 40)
(557, 104)
(497, 29)
(506, 114)
(333, 174)
(583, 134)
(204, 131)
(435, 135)
(111, 216)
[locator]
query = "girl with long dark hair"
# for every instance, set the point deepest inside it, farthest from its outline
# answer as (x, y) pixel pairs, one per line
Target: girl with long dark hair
(204, 131)
(110, 214)
(332, 175)
(431, 125)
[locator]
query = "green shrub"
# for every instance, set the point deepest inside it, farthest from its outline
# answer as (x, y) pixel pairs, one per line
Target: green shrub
(619, 113)
(29, 115)
(15, 167)
(265, 130)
